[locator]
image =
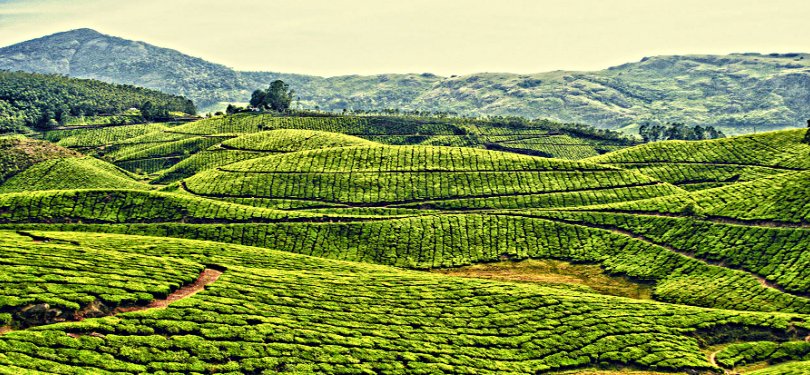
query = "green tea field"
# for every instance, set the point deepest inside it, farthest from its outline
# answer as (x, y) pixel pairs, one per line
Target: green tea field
(254, 243)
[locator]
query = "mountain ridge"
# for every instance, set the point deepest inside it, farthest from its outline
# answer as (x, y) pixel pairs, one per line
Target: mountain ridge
(736, 92)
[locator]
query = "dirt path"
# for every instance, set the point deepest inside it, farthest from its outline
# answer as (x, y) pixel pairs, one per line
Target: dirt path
(777, 167)
(713, 359)
(712, 219)
(207, 276)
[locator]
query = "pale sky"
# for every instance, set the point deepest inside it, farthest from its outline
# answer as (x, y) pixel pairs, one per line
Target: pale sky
(334, 37)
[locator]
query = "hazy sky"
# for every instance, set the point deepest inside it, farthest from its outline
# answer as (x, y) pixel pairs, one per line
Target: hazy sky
(331, 37)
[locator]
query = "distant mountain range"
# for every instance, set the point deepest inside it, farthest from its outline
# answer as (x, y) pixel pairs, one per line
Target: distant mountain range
(734, 92)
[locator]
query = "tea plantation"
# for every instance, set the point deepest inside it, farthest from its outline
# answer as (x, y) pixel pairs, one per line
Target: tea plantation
(323, 228)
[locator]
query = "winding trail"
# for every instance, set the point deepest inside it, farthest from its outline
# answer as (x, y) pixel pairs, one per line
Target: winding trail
(207, 277)
(713, 219)
(713, 358)
(713, 163)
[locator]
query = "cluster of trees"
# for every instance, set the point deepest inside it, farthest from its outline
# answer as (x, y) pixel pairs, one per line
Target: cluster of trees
(671, 131)
(44, 101)
(277, 97)
(149, 111)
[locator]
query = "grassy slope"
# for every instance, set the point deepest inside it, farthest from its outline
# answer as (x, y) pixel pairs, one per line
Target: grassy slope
(256, 145)
(169, 153)
(276, 311)
(691, 261)
(129, 206)
(781, 149)
(721, 161)
(291, 140)
(776, 199)
(70, 173)
(387, 175)
(18, 153)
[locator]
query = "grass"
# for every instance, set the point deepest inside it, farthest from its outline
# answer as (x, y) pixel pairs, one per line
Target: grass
(734, 159)
(129, 206)
(18, 153)
(776, 201)
(71, 173)
(387, 175)
(556, 273)
(288, 140)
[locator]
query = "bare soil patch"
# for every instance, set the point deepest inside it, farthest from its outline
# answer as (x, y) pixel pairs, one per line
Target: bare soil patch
(557, 272)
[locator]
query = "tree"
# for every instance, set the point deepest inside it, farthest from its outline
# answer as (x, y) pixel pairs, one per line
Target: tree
(231, 109)
(653, 133)
(807, 135)
(258, 99)
(150, 111)
(677, 131)
(277, 97)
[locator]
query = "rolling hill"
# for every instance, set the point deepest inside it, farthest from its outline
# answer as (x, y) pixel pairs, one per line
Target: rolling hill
(705, 164)
(272, 311)
(18, 153)
(70, 173)
(738, 93)
(333, 244)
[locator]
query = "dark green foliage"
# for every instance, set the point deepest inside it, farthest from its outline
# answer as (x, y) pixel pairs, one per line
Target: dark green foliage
(45, 101)
(150, 112)
(773, 352)
(807, 134)
(678, 131)
(277, 97)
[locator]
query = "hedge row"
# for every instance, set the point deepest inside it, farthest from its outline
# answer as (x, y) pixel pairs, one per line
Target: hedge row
(455, 240)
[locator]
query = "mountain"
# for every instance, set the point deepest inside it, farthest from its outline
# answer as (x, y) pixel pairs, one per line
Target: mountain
(738, 93)
(86, 53)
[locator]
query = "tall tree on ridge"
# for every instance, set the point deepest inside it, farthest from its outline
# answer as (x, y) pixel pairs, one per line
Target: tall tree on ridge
(277, 97)
(807, 135)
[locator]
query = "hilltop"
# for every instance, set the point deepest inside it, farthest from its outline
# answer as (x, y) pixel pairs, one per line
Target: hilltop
(86, 53)
(736, 92)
